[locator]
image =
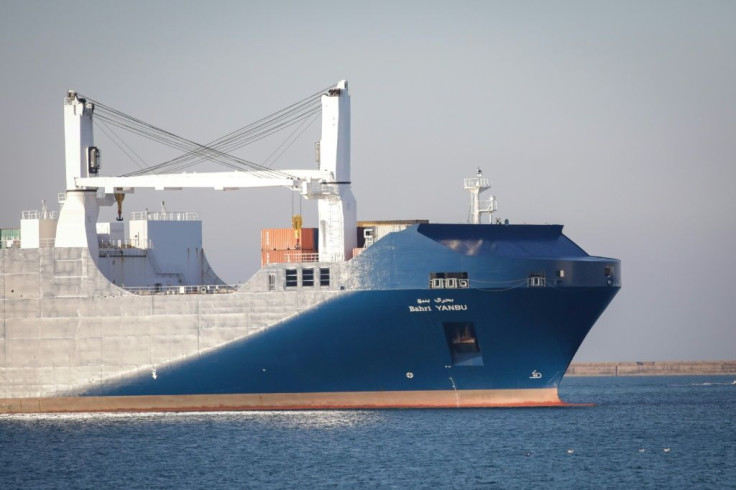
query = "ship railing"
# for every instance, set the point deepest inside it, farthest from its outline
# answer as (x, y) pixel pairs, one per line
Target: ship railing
(123, 252)
(46, 242)
(295, 257)
(160, 289)
(119, 244)
(36, 214)
(164, 216)
(477, 182)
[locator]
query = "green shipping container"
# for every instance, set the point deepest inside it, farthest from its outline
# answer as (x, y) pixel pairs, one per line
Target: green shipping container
(9, 235)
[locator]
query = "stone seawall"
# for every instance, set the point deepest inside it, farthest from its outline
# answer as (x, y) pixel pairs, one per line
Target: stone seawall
(652, 368)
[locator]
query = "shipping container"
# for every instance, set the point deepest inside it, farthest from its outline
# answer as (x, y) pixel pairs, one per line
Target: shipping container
(288, 239)
(288, 256)
(9, 237)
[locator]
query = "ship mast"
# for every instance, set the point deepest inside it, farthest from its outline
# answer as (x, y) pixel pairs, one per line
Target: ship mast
(476, 185)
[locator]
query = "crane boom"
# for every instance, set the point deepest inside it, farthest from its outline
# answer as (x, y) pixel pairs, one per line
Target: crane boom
(293, 179)
(330, 185)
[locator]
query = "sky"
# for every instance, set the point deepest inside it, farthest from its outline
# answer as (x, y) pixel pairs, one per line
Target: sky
(615, 119)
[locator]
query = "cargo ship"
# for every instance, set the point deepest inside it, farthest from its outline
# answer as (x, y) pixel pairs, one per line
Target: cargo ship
(346, 314)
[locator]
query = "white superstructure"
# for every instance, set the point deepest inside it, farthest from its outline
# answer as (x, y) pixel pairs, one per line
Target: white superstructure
(38, 228)
(478, 207)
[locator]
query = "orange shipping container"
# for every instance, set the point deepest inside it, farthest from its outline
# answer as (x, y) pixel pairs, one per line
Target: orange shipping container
(287, 239)
(288, 256)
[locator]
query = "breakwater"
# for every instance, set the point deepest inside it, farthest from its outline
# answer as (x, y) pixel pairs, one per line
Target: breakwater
(652, 368)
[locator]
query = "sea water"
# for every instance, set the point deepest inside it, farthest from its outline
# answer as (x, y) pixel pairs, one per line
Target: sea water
(663, 432)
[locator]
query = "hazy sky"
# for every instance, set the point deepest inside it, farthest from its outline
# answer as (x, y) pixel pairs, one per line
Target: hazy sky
(616, 119)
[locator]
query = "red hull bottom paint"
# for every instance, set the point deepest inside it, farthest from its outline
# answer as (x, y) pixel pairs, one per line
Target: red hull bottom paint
(546, 397)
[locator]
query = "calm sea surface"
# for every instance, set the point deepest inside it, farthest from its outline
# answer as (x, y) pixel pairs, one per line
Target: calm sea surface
(674, 432)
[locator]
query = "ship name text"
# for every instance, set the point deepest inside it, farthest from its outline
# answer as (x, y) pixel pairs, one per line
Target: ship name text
(437, 304)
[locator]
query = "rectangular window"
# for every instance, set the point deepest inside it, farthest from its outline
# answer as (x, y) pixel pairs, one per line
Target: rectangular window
(449, 280)
(292, 278)
(308, 277)
(536, 281)
(463, 344)
(272, 282)
(324, 276)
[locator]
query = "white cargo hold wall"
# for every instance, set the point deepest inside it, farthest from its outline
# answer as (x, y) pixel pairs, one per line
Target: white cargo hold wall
(173, 241)
(37, 230)
(112, 233)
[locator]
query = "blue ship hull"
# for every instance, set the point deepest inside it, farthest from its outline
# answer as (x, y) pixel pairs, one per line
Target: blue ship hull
(436, 315)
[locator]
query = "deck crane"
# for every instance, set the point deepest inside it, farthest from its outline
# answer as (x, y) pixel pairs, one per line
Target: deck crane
(330, 184)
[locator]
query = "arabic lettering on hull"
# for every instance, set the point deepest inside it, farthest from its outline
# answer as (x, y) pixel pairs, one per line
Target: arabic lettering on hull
(437, 304)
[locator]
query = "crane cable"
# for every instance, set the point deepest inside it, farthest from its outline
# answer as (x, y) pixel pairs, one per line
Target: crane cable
(300, 113)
